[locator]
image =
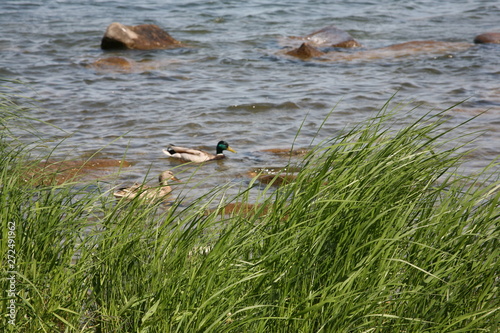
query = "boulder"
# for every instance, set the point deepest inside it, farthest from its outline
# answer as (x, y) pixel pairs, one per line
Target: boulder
(139, 37)
(488, 38)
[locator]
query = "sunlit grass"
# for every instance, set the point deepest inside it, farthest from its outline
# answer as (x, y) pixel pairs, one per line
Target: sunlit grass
(378, 233)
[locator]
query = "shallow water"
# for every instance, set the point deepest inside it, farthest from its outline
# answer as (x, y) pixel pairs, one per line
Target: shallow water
(231, 83)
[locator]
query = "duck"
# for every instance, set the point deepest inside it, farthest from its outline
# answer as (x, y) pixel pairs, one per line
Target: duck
(197, 156)
(146, 192)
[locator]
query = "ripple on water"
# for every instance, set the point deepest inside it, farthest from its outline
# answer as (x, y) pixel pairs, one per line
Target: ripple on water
(231, 82)
(262, 107)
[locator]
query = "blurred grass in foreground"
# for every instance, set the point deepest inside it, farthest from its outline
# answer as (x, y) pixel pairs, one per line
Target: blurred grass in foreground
(378, 233)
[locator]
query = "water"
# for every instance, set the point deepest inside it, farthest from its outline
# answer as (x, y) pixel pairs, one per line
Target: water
(231, 83)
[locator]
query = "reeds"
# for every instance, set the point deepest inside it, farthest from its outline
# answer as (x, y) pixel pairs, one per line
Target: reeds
(378, 233)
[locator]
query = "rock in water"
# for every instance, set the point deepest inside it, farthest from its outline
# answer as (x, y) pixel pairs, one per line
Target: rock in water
(114, 64)
(488, 38)
(138, 37)
(305, 51)
(331, 36)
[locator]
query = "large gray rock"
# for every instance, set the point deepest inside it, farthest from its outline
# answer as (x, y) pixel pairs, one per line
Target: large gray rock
(139, 37)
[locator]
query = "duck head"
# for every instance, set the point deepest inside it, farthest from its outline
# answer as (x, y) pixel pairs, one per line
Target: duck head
(165, 176)
(223, 145)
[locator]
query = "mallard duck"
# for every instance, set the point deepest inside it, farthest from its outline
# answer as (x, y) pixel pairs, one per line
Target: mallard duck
(147, 192)
(195, 155)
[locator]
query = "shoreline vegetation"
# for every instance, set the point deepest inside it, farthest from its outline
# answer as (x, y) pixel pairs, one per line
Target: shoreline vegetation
(376, 232)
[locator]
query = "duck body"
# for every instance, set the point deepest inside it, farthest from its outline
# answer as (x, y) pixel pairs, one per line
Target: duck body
(147, 192)
(195, 155)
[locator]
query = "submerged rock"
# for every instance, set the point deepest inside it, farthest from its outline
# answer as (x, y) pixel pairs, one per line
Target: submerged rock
(277, 180)
(488, 38)
(139, 37)
(305, 51)
(319, 43)
(328, 37)
(406, 49)
(287, 152)
(124, 65)
(331, 36)
(114, 64)
(59, 172)
(276, 176)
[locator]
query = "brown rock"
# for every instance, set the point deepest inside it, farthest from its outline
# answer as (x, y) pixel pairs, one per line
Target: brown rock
(286, 152)
(348, 44)
(407, 49)
(305, 51)
(488, 38)
(232, 208)
(59, 172)
(277, 180)
(139, 37)
(418, 47)
(118, 64)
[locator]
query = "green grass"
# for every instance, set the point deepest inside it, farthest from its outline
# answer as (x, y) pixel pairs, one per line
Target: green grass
(379, 233)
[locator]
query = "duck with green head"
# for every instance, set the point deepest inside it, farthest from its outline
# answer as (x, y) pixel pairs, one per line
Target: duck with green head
(195, 155)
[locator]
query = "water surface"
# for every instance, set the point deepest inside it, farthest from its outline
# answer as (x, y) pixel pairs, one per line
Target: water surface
(230, 82)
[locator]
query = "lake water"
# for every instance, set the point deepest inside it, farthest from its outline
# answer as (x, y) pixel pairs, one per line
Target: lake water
(231, 83)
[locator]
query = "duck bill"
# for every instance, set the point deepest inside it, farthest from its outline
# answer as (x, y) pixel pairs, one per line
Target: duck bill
(231, 150)
(176, 179)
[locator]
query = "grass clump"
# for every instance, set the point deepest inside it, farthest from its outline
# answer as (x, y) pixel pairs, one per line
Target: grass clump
(378, 233)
